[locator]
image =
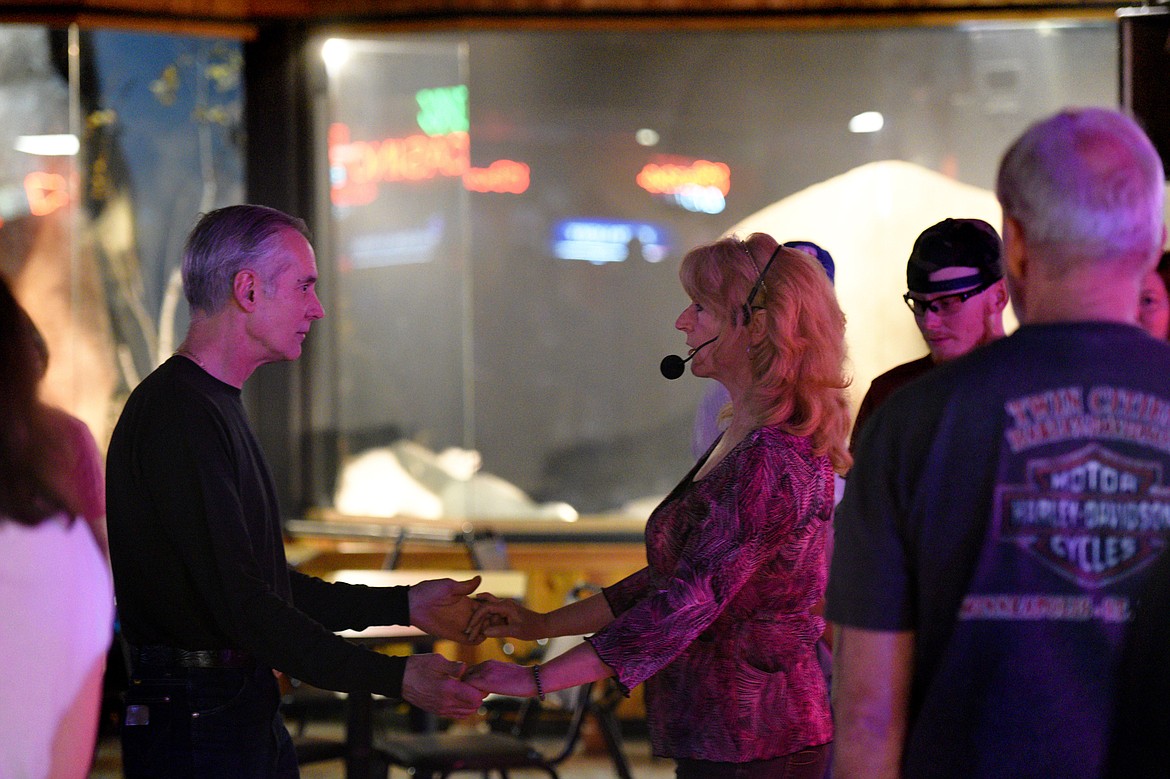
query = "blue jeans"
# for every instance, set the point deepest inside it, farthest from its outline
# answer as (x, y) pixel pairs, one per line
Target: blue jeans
(190, 723)
(805, 764)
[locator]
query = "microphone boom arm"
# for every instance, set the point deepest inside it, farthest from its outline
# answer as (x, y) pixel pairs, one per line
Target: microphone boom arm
(672, 365)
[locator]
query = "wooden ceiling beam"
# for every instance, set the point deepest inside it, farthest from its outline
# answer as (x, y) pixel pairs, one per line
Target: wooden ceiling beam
(250, 12)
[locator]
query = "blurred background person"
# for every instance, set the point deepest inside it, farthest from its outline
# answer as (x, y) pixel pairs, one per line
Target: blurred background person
(722, 623)
(1154, 303)
(956, 292)
(1003, 531)
(56, 593)
(83, 459)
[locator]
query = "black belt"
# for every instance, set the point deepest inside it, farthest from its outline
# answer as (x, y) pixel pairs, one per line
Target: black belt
(170, 657)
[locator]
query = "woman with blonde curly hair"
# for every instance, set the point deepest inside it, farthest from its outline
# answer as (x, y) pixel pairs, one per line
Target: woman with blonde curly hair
(722, 623)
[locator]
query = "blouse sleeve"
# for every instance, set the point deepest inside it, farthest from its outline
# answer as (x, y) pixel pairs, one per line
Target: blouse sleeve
(624, 594)
(751, 506)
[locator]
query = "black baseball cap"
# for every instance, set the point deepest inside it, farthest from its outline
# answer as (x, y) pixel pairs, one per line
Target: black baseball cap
(955, 243)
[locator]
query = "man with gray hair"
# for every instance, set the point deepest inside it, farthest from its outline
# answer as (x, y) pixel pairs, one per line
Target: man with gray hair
(207, 603)
(999, 532)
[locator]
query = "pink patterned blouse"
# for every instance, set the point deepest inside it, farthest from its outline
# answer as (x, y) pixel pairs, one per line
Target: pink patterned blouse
(719, 623)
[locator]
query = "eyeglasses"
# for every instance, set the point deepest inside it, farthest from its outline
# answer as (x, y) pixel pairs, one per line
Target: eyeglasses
(944, 305)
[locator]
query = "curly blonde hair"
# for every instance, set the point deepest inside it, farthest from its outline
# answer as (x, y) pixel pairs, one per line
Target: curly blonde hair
(798, 369)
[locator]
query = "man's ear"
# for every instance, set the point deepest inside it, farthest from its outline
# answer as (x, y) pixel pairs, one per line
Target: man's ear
(244, 289)
(999, 296)
(1015, 259)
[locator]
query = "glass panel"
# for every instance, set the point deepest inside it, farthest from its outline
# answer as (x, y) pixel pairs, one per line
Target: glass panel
(165, 140)
(596, 160)
(399, 347)
(38, 195)
(91, 233)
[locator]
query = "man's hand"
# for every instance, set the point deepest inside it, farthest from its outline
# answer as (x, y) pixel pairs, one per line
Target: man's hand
(441, 608)
(431, 682)
(502, 678)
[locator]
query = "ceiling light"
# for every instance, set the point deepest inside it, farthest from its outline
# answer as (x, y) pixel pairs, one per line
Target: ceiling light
(335, 52)
(48, 145)
(867, 122)
(646, 137)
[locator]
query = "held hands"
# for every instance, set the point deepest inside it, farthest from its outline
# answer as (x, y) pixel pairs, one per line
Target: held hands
(503, 678)
(500, 618)
(442, 608)
(432, 682)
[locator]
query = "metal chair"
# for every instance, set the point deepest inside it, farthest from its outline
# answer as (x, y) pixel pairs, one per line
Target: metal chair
(302, 703)
(438, 755)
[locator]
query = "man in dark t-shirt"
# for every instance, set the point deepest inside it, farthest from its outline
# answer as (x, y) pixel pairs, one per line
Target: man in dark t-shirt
(205, 597)
(1002, 536)
(955, 289)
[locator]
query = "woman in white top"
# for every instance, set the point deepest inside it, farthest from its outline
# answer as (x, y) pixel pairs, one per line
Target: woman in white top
(55, 589)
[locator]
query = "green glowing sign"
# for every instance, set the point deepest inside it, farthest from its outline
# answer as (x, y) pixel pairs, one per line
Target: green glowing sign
(443, 110)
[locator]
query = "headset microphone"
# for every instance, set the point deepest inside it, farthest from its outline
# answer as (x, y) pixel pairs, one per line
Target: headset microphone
(672, 365)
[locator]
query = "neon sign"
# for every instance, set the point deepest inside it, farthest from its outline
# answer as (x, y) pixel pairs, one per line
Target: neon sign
(443, 110)
(606, 240)
(700, 186)
(500, 176)
(46, 192)
(669, 179)
(356, 168)
(395, 247)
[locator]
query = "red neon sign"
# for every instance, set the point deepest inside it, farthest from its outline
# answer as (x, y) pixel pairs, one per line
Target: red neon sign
(357, 167)
(670, 179)
(500, 176)
(46, 192)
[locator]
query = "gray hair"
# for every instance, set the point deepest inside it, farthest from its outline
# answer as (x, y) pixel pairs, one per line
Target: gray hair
(227, 241)
(1086, 185)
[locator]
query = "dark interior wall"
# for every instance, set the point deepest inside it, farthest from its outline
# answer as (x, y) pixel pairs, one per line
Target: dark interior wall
(1145, 72)
(279, 175)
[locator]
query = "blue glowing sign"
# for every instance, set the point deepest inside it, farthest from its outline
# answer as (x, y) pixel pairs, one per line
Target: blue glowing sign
(606, 240)
(395, 247)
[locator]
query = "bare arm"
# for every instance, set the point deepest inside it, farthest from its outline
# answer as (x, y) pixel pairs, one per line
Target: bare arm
(871, 689)
(507, 618)
(576, 666)
(81, 475)
(587, 615)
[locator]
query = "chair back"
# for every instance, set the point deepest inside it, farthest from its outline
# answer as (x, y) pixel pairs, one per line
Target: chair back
(581, 704)
(487, 551)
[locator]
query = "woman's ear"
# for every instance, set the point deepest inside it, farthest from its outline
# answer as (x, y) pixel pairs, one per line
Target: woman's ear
(758, 326)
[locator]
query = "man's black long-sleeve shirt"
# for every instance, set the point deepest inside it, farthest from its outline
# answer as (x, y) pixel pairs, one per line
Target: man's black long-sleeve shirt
(197, 550)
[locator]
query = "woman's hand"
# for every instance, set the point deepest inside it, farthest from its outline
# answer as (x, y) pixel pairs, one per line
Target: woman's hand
(501, 618)
(502, 678)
